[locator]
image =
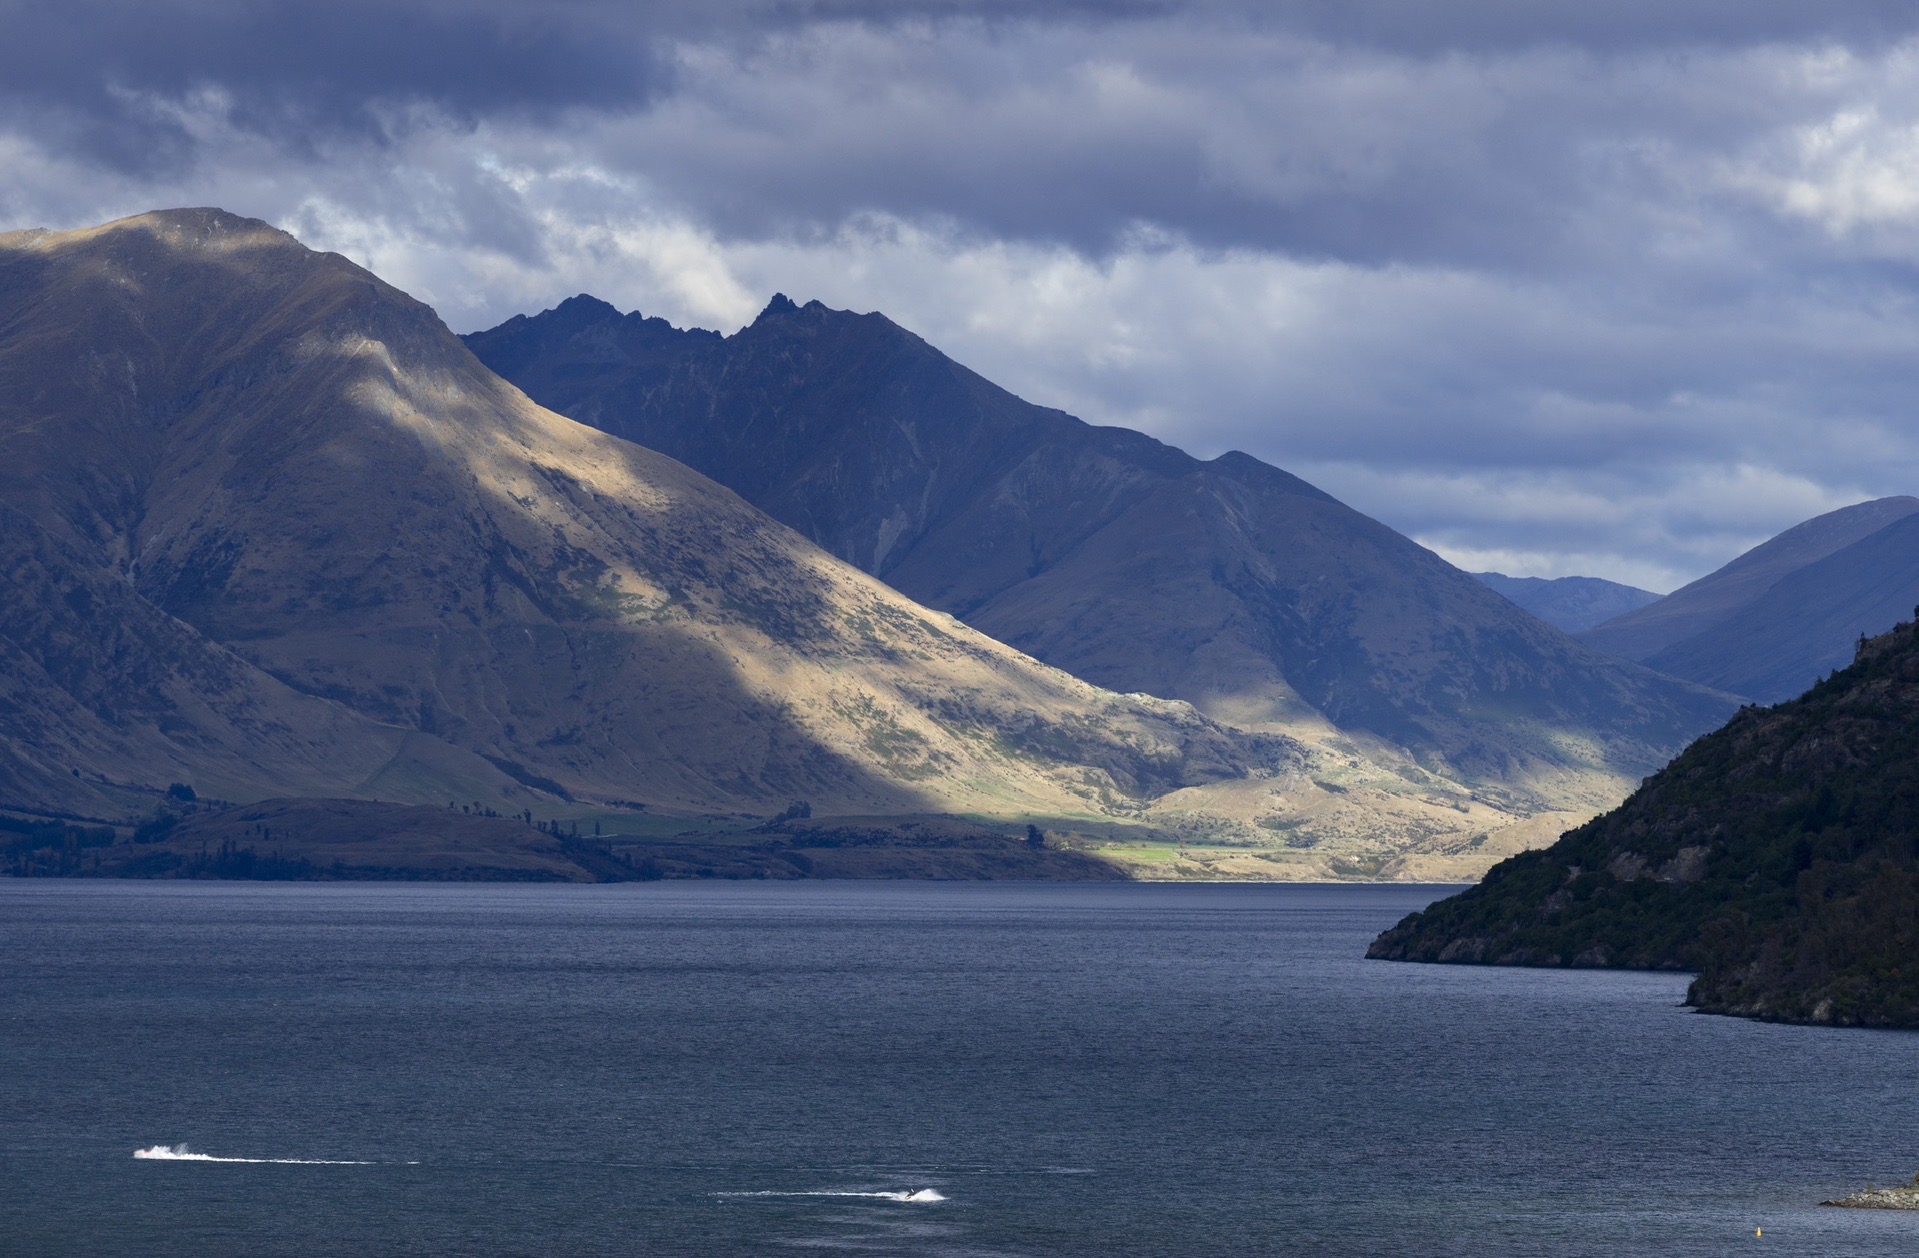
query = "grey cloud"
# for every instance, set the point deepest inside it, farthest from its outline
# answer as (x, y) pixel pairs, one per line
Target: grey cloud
(293, 69)
(1605, 283)
(1488, 132)
(1543, 160)
(1419, 26)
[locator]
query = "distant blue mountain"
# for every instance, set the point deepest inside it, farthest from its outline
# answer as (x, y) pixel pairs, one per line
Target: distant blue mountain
(1574, 604)
(1785, 613)
(1810, 623)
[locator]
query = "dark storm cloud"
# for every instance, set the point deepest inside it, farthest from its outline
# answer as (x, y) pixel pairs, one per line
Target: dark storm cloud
(1228, 139)
(1372, 130)
(1602, 285)
(295, 68)
(324, 61)
(1430, 26)
(1551, 159)
(1423, 26)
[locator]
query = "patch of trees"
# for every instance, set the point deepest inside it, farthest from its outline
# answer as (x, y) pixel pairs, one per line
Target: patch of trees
(30, 848)
(230, 860)
(1778, 857)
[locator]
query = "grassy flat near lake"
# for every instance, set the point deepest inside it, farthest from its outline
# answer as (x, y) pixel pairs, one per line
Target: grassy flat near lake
(1164, 862)
(300, 839)
(320, 839)
(1343, 858)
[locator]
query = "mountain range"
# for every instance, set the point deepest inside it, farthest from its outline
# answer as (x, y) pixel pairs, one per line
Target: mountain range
(1571, 604)
(269, 529)
(272, 533)
(1226, 583)
(1787, 612)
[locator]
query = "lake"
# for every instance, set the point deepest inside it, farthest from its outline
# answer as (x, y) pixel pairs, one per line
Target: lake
(889, 1068)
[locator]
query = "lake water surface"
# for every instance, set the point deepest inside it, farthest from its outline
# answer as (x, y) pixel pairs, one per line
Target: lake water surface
(743, 1068)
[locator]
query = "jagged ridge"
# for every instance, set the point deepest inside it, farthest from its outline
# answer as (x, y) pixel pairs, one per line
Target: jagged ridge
(1227, 583)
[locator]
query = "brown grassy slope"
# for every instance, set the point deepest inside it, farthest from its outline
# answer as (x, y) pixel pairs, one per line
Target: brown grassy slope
(328, 839)
(348, 556)
(1227, 583)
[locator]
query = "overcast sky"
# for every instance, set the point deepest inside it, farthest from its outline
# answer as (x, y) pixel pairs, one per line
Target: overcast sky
(1612, 289)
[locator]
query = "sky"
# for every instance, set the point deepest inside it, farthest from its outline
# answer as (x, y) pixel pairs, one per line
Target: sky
(1614, 290)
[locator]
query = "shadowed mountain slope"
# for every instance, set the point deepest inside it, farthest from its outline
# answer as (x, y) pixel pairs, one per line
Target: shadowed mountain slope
(1787, 612)
(1809, 623)
(1229, 583)
(268, 528)
(1776, 857)
(1713, 598)
(1569, 604)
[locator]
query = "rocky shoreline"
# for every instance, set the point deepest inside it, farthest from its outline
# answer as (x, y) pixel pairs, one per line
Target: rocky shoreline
(1902, 1198)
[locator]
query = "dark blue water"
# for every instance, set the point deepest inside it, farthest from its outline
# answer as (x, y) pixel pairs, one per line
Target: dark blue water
(1077, 1070)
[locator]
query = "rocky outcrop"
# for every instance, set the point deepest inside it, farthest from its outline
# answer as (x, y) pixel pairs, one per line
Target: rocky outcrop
(1905, 1197)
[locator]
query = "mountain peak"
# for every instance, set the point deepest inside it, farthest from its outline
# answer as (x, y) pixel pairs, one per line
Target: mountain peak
(1245, 468)
(1690, 620)
(780, 306)
(202, 229)
(586, 308)
(204, 226)
(1570, 604)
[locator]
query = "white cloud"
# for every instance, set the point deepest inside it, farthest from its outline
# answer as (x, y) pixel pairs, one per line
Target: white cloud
(1656, 533)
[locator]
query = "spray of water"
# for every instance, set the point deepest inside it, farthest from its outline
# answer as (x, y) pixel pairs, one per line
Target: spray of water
(180, 1153)
(923, 1196)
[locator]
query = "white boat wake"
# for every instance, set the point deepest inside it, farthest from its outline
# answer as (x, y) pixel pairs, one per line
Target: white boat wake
(924, 1196)
(180, 1153)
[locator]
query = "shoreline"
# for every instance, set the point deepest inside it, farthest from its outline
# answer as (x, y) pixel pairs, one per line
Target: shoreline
(1870, 1198)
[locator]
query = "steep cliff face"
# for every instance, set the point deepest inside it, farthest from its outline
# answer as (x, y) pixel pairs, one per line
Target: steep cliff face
(1777, 857)
(269, 528)
(1227, 583)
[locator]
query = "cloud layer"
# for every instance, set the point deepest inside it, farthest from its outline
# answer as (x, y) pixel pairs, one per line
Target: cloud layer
(1604, 289)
